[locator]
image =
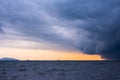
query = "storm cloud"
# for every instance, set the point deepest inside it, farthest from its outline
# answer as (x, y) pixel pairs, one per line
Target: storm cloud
(92, 27)
(101, 23)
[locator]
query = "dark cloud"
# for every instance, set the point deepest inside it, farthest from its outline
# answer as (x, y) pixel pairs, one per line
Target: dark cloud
(89, 26)
(1, 30)
(101, 22)
(32, 19)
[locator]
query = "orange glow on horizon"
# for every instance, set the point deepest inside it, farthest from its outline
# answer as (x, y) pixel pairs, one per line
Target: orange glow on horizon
(26, 54)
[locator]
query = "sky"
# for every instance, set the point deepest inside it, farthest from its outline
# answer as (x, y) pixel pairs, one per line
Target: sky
(60, 29)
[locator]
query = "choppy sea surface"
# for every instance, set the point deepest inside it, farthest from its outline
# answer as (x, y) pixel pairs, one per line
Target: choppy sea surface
(59, 70)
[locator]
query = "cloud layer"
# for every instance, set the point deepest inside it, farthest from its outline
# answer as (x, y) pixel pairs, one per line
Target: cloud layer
(100, 21)
(88, 26)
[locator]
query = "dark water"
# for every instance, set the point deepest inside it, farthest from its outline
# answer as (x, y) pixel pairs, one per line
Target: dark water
(59, 70)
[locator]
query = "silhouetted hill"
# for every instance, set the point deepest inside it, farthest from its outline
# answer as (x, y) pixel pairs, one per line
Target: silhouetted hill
(8, 59)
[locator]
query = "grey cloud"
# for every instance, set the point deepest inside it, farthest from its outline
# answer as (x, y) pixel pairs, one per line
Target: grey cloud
(31, 19)
(101, 23)
(88, 26)
(1, 30)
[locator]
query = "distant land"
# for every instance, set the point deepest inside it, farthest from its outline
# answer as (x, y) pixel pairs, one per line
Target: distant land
(8, 59)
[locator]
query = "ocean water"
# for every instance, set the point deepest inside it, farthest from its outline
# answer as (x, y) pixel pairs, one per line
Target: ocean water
(59, 70)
